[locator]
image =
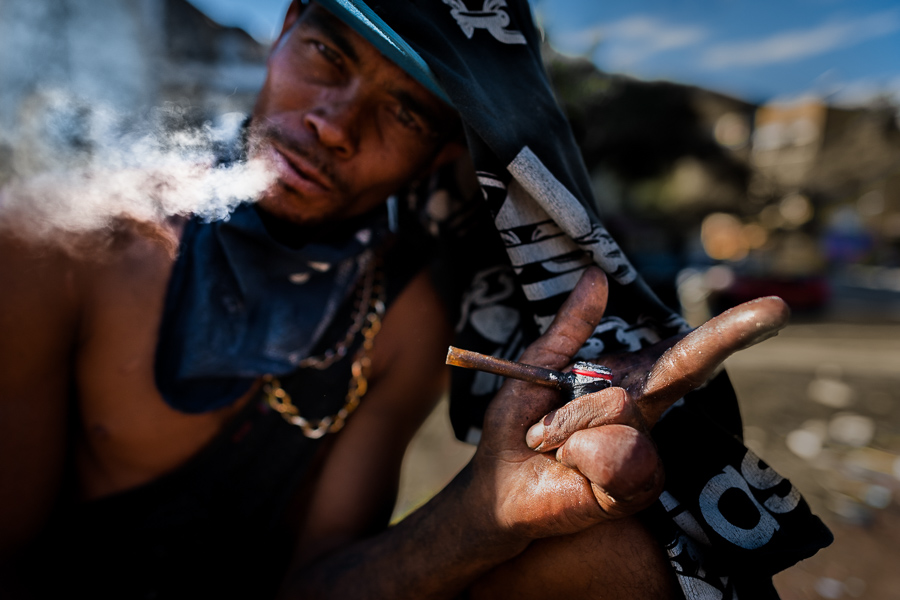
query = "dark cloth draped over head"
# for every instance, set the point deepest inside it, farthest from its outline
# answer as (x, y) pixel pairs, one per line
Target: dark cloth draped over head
(727, 520)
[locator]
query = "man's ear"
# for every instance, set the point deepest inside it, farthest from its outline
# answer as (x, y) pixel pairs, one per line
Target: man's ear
(447, 154)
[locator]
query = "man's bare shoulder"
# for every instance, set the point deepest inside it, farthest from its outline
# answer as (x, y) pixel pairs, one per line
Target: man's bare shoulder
(49, 284)
(48, 256)
(414, 339)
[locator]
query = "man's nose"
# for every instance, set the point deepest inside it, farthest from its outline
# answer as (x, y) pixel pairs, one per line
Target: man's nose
(333, 125)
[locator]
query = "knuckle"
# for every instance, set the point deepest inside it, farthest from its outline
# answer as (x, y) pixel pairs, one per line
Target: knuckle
(571, 342)
(562, 454)
(610, 406)
(559, 428)
(575, 415)
(616, 405)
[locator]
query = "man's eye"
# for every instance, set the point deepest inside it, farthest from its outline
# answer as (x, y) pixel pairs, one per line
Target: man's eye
(408, 119)
(328, 53)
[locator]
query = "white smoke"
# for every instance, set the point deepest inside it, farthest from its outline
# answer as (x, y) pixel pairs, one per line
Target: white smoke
(77, 167)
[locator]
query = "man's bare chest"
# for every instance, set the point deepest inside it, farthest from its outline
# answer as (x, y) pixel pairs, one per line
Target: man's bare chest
(128, 435)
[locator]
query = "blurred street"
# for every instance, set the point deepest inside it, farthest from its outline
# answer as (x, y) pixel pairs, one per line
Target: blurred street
(821, 404)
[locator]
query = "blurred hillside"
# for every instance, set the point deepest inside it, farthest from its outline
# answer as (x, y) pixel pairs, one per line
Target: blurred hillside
(736, 200)
(64, 65)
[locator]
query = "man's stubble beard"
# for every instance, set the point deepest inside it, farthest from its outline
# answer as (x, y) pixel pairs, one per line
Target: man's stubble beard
(259, 136)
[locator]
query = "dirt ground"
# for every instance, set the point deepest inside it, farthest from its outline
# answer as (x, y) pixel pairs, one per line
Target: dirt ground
(821, 404)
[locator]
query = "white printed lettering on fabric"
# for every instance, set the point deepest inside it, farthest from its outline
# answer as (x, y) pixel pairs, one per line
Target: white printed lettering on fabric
(561, 206)
(489, 287)
(491, 17)
(551, 287)
(695, 582)
(526, 254)
(750, 539)
(766, 478)
(683, 518)
(631, 337)
(521, 209)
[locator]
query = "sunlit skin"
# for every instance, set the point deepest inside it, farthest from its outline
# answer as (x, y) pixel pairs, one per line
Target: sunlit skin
(343, 127)
(545, 509)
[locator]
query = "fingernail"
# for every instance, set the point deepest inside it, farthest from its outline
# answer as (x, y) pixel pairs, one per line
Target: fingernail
(535, 436)
(549, 418)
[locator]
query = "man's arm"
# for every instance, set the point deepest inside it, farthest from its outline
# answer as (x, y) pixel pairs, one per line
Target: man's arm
(505, 498)
(38, 321)
(355, 488)
(339, 554)
(604, 468)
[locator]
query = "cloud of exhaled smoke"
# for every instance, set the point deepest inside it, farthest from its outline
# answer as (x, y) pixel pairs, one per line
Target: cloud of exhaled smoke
(77, 168)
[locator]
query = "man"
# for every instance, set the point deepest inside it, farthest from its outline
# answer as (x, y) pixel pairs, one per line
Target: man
(144, 453)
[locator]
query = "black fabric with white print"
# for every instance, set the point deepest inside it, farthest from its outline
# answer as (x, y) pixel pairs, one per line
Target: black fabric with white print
(727, 520)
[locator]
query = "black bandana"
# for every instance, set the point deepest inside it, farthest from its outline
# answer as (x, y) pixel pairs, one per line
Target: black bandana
(240, 304)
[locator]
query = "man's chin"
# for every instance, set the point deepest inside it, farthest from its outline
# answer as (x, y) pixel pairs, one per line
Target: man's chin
(292, 210)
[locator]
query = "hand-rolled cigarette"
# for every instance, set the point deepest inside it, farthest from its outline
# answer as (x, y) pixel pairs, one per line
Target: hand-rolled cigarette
(458, 357)
(584, 378)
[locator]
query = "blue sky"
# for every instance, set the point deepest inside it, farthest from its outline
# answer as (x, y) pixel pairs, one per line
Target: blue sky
(845, 50)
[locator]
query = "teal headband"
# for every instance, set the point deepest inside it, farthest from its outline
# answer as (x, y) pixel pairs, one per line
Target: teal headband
(366, 23)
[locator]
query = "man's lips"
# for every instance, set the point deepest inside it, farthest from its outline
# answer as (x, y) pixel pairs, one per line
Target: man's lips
(299, 172)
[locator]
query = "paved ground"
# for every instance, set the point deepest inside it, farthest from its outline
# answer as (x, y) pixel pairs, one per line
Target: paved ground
(821, 404)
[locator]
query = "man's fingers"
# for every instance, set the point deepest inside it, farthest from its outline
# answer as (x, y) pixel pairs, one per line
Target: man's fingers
(690, 362)
(518, 404)
(620, 462)
(609, 406)
(573, 325)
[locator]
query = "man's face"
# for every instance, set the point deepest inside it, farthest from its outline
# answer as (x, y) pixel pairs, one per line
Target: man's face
(343, 126)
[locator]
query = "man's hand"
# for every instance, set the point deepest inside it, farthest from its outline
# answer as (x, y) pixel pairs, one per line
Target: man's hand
(605, 464)
(654, 378)
(535, 495)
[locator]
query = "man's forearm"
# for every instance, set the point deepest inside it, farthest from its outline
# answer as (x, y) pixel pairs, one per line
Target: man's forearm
(436, 552)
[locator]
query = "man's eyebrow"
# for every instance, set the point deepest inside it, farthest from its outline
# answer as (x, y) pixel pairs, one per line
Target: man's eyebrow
(331, 28)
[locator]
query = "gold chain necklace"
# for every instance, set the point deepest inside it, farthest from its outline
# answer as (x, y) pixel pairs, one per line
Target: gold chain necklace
(364, 293)
(278, 398)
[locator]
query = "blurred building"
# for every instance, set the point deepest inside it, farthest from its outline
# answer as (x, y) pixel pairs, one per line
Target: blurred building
(655, 147)
(783, 196)
(219, 68)
(787, 140)
(832, 174)
(124, 55)
(661, 157)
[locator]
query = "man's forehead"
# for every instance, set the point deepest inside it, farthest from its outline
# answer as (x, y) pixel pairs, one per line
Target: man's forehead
(356, 15)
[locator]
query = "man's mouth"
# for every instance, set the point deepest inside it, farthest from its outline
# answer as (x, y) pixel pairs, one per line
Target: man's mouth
(298, 171)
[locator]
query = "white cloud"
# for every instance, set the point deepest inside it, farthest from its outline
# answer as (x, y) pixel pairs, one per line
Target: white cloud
(798, 44)
(633, 39)
(863, 92)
